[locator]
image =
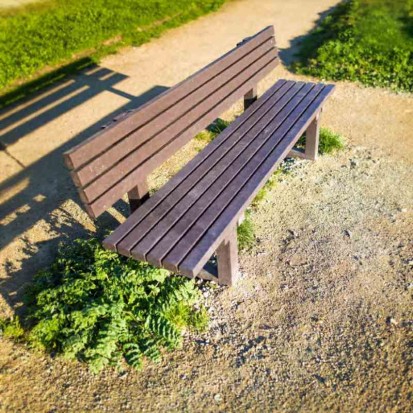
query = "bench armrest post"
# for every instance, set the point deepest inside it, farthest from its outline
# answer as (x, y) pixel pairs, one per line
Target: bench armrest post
(227, 257)
(138, 195)
(250, 97)
(312, 136)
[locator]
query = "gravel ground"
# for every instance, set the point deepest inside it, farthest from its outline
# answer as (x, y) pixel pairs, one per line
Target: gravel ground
(322, 317)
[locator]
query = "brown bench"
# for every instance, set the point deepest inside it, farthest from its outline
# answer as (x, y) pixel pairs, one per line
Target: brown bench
(196, 213)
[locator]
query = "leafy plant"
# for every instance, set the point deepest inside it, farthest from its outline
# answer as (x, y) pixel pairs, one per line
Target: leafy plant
(11, 328)
(370, 41)
(101, 308)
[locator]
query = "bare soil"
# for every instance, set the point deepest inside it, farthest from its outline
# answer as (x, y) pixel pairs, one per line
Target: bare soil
(322, 318)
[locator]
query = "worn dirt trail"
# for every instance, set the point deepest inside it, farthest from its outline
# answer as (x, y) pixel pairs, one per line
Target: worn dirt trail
(322, 317)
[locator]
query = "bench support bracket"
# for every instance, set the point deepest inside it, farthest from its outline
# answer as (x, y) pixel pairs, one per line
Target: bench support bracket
(138, 195)
(250, 97)
(227, 257)
(312, 137)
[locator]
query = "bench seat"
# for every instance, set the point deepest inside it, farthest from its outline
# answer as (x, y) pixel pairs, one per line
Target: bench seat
(196, 213)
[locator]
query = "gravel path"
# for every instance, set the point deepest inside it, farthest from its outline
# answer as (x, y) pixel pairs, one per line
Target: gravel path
(322, 317)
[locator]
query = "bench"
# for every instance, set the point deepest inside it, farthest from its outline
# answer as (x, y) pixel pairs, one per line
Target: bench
(195, 215)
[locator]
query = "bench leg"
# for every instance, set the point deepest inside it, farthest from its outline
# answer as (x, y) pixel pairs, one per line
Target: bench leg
(138, 195)
(312, 136)
(250, 97)
(227, 257)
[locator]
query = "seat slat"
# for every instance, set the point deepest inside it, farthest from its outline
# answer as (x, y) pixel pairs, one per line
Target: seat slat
(199, 180)
(199, 164)
(98, 206)
(205, 247)
(237, 172)
(133, 143)
(82, 153)
(205, 192)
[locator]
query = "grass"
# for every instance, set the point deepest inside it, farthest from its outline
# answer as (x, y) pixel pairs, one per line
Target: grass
(370, 41)
(328, 144)
(209, 134)
(54, 33)
(246, 233)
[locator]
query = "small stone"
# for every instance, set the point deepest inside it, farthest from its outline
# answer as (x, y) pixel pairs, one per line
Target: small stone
(391, 320)
(293, 233)
(348, 233)
(218, 398)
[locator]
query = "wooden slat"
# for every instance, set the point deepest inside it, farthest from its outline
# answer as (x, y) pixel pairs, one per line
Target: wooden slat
(212, 153)
(204, 194)
(193, 262)
(138, 145)
(112, 195)
(198, 181)
(224, 188)
(87, 150)
(175, 128)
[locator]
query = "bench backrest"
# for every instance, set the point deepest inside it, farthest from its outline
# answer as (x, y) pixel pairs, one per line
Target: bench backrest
(112, 162)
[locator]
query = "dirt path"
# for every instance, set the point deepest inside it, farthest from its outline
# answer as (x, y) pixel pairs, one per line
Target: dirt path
(6, 4)
(322, 318)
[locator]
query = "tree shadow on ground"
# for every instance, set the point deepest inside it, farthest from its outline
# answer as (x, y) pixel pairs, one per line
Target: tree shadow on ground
(291, 54)
(46, 184)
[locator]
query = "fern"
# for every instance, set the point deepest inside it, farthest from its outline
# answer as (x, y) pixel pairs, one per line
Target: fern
(133, 354)
(101, 308)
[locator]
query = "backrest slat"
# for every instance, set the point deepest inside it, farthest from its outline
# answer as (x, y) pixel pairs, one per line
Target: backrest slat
(109, 164)
(157, 126)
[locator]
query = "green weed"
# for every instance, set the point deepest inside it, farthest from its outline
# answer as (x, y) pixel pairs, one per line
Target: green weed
(11, 328)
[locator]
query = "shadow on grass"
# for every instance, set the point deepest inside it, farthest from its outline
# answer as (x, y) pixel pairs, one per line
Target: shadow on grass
(295, 52)
(46, 184)
(30, 88)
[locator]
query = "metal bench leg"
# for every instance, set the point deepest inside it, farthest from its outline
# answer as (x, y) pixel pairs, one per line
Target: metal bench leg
(312, 136)
(250, 97)
(138, 195)
(227, 257)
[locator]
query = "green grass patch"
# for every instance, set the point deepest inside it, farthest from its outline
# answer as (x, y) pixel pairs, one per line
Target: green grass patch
(329, 143)
(370, 41)
(56, 32)
(208, 135)
(103, 309)
(246, 233)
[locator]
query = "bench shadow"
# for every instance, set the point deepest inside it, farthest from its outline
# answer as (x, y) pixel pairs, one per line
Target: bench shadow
(45, 186)
(291, 54)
